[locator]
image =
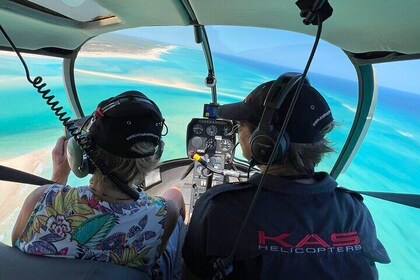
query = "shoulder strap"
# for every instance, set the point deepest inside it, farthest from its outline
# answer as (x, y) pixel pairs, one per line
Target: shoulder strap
(355, 194)
(14, 175)
(412, 200)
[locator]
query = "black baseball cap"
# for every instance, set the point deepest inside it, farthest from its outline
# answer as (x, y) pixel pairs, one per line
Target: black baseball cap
(120, 122)
(310, 114)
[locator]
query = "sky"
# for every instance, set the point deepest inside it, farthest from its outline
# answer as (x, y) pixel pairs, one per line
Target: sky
(284, 48)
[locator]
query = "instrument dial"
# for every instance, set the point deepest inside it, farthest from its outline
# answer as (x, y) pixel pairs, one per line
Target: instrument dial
(211, 144)
(225, 145)
(211, 130)
(196, 142)
(198, 129)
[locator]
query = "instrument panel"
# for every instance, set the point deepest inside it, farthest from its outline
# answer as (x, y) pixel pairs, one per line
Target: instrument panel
(214, 140)
(208, 136)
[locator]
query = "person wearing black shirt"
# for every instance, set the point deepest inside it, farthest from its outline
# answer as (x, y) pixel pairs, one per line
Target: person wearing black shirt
(303, 225)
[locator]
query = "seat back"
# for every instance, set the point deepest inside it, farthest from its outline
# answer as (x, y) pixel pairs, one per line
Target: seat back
(15, 264)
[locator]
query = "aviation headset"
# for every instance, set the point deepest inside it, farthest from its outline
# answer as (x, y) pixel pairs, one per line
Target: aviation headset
(79, 161)
(264, 137)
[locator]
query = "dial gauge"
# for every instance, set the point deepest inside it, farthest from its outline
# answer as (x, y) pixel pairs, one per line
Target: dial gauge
(198, 129)
(196, 142)
(225, 145)
(211, 130)
(211, 144)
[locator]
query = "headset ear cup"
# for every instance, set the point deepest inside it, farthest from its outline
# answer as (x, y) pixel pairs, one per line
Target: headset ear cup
(262, 145)
(75, 158)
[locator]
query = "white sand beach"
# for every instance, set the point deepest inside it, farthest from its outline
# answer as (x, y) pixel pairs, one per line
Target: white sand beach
(14, 194)
(147, 80)
(152, 54)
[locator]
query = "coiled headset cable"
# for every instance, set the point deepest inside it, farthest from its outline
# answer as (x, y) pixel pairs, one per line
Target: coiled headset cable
(83, 141)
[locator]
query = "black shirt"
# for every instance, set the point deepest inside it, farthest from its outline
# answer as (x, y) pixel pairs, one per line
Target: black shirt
(296, 231)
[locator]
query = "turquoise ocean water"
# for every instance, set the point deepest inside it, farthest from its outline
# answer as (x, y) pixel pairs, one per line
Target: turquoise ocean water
(387, 161)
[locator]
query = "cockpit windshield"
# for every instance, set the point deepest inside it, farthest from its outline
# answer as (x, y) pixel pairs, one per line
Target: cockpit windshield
(168, 66)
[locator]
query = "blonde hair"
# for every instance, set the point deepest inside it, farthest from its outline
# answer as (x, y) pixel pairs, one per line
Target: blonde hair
(131, 170)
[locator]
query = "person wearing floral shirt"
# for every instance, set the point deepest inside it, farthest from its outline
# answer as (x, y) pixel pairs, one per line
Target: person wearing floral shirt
(101, 221)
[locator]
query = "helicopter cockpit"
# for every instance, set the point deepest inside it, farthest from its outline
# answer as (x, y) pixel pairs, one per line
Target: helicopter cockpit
(212, 60)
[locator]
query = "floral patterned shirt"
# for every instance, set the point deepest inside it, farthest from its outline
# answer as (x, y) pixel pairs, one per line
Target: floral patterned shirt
(72, 223)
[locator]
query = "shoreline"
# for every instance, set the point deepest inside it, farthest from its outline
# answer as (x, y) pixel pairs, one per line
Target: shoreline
(146, 54)
(14, 194)
(145, 80)
(152, 54)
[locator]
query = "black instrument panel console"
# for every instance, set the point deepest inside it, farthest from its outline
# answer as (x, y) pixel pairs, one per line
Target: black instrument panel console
(214, 140)
(209, 136)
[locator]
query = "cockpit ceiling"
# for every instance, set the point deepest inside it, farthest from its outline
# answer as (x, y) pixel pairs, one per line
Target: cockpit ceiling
(357, 26)
(78, 10)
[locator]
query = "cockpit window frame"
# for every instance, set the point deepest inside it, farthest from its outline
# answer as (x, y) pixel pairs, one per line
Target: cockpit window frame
(86, 11)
